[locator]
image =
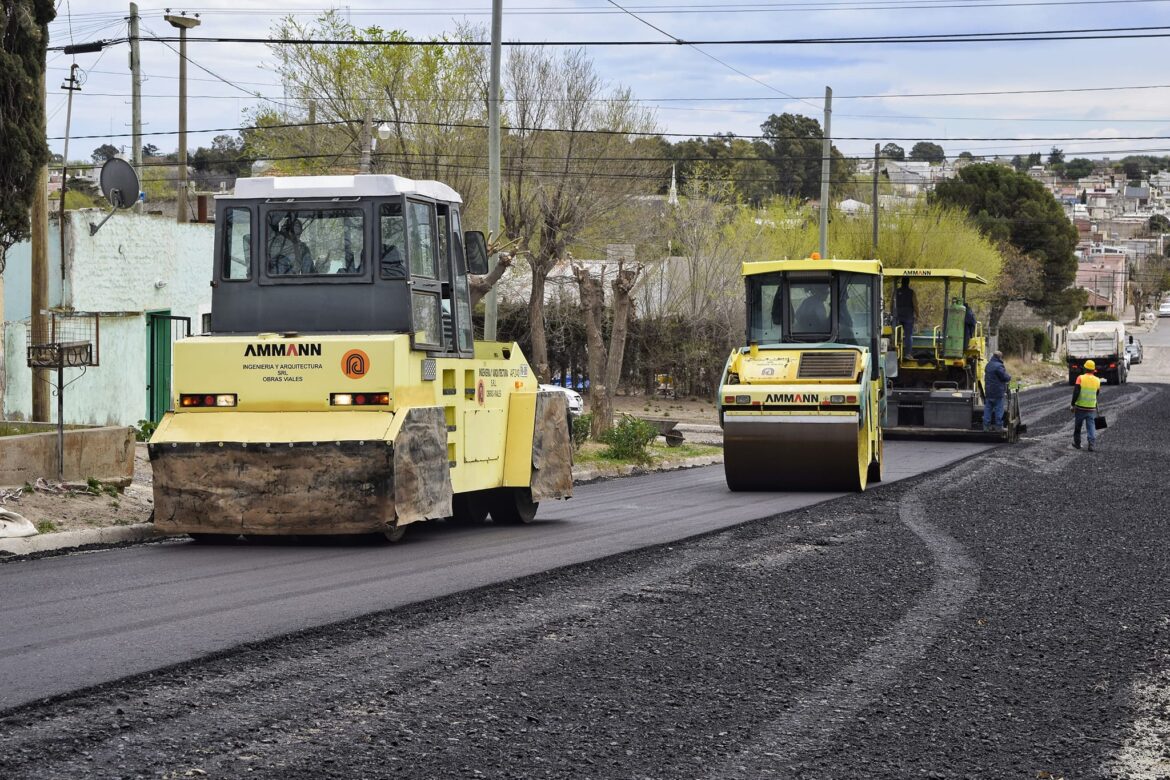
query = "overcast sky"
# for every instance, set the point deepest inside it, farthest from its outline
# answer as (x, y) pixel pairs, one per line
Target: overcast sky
(701, 90)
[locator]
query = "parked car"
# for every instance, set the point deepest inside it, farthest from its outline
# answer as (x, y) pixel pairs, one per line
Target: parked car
(572, 397)
(1134, 351)
(1164, 309)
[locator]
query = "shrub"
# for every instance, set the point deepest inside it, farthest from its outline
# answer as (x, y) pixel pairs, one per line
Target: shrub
(628, 439)
(145, 430)
(1024, 342)
(1091, 315)
(580, 429)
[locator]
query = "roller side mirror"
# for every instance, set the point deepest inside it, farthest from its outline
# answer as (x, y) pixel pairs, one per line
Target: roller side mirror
(475, 246)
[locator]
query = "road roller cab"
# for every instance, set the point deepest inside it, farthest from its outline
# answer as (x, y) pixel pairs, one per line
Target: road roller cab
(339, 389)
(800, 403)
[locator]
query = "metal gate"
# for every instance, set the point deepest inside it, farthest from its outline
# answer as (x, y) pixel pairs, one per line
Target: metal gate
(162, 330)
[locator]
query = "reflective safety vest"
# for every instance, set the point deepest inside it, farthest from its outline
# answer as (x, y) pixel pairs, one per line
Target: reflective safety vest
(1088, 395)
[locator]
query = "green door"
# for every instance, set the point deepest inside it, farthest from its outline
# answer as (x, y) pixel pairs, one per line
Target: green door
(161, 331)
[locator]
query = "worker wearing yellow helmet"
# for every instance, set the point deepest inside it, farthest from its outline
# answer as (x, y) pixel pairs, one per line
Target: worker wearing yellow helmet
(1084, 405)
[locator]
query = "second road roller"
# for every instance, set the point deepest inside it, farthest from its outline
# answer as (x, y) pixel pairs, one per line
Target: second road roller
(801, 403)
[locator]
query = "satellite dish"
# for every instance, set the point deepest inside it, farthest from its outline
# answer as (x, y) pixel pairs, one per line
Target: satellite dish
(119, 183)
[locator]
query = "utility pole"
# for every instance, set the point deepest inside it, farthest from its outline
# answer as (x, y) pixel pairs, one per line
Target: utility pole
(39, 300)
(136, 97)
(72, 86)
(367, 138)
(826, 159)
(490, 305)
(877, 157)
(183, 23)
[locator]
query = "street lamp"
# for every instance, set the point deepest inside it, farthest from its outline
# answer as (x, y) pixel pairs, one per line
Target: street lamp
(183, 23)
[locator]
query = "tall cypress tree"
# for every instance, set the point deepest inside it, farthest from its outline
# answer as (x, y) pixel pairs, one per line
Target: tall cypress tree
(24, 35)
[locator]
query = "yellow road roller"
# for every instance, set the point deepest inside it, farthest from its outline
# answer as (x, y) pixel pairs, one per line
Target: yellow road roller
(339, 389)
(801, 403)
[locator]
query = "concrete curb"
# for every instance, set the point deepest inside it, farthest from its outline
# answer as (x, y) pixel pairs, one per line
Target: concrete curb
(144, 532)
(64, 540)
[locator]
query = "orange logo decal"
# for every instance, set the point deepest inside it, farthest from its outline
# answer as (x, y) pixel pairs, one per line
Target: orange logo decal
(355, 364)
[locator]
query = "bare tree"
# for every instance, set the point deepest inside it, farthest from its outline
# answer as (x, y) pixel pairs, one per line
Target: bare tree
(563, 167)
(605, 361)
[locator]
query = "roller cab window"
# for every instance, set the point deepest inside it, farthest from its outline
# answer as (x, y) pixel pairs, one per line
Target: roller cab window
(314, 242)
(392, 246)
(811, 308)
(422, 258)
(236, 245)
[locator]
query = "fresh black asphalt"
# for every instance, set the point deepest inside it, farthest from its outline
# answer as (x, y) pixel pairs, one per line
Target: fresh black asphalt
(994, 619)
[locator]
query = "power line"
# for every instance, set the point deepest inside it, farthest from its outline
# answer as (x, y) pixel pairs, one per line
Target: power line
(710, 56)
(647, 134)
(1080, 34)
(730, 99)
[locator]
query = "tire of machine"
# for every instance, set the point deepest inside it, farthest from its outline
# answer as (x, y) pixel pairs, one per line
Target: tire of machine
(395, 534)
(469, 508)
(512, 506)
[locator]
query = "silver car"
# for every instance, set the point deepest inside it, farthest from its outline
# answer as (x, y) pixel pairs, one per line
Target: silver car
(1134, 351)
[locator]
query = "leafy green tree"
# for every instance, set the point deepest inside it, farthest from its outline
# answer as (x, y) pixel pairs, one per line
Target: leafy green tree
(795, 150)
(150, 150)
(1132, 168)
(892, 151)
(966, 156)
(1011, 206)
(1078, 168)
(1033, 160)
(1019, 163)
(928, 152)
(104, 152)
(23, 151)
(1159, 224)
(226, 155)
(1056, 156)
(737, 161)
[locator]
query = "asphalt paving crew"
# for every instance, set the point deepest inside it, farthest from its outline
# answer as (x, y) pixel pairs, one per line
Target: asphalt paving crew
(995, 383)
(1084, 404)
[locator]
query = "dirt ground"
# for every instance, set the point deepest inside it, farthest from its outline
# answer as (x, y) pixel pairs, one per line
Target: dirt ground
(683, 409)
(76, 507)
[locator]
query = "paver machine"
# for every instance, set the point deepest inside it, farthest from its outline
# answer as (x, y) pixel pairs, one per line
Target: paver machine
(339, 389)
(801, 402)
(936, 384)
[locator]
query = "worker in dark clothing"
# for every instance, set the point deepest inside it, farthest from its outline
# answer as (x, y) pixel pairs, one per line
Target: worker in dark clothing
(905, 311)
(968, 326)
(812, 315)
(995, 383)
(1084, 405)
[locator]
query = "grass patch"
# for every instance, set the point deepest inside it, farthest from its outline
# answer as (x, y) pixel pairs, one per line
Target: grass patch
(593, 454)
(47, 527)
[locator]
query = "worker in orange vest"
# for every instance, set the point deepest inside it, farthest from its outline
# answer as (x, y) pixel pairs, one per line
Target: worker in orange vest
(1084, 404)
